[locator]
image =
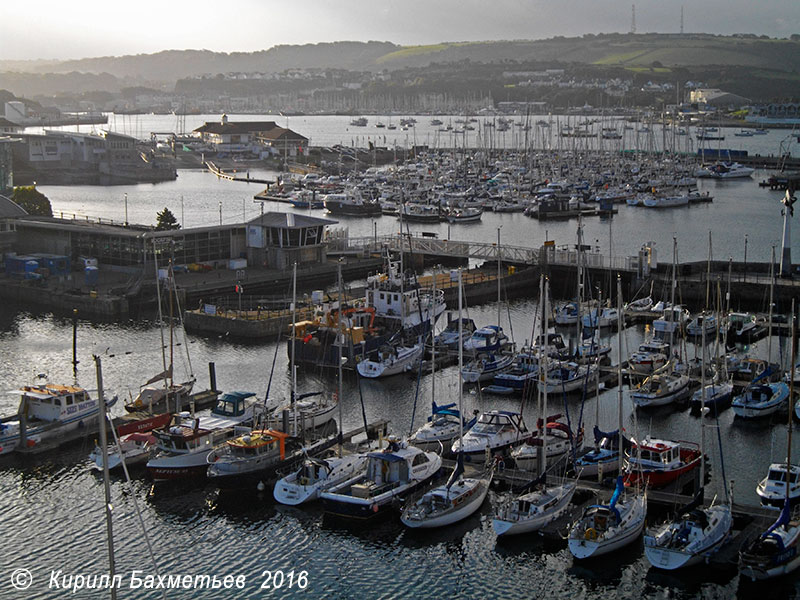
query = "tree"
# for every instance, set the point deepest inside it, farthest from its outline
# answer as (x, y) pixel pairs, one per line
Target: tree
(32, 201)
(165, 220)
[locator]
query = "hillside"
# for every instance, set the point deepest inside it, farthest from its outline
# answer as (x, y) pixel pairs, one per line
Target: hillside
(759, 68)
(640, 50)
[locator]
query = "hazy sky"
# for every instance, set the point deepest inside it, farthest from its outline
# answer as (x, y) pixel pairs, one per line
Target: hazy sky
(81, 28)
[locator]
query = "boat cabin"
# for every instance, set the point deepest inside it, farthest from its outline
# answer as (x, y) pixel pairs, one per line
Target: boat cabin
(601, 519)
(53, 402)
(258, 443)
(183, 435)
(385, 470)
(777, 474)
(657, 453)
(485, 338)
(498, 421)
(232, 404)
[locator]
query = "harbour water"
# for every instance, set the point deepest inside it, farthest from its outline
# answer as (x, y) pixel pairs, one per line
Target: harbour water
(53, 505)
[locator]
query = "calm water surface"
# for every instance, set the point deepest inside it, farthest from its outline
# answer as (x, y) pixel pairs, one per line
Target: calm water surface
(52, 506)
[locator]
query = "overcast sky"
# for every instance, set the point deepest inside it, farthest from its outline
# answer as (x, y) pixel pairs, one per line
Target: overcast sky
(82, 28)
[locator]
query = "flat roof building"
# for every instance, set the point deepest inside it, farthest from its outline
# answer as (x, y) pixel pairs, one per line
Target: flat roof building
(271, 240)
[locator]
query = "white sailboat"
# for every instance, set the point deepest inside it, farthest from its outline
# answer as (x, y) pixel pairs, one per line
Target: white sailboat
(316, 475)
(776, 552)
(391, 360)
(460, 496)
(535, 509)
(699, 532)
(604, 528)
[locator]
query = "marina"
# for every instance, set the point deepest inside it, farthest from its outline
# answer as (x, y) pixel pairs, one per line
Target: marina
(502, 256)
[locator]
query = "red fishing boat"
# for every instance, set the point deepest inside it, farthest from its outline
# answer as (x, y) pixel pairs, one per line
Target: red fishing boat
(658, 463)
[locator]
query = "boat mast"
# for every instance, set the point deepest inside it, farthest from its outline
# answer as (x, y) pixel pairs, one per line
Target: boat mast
(791, 398)
(498, 276)
(433, 340)
(294, 338)
(580, 280)
(672, 291)
(461, 365)
(540, 455)
(101, 407)
(341, 345)
(703, 402)
(708, 271)
(769, 319)
(620, 322)
(170, 297)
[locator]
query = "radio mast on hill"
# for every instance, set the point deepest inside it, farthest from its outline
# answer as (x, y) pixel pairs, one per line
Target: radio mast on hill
(633, 18)
(681, 19)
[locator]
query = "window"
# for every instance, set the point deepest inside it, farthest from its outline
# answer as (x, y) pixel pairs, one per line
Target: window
(419, 459)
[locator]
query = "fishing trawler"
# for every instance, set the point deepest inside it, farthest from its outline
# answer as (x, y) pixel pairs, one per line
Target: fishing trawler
(394, 306)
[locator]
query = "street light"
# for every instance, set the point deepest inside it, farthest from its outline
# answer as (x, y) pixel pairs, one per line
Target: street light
(126, 209)
(220, 213)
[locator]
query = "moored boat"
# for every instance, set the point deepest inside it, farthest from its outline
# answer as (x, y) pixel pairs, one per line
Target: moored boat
(391, 473)
(773, 488)
(50, 410)
(315, 476)
(658, 462)
(761, 400)
(496, 430)
(184, 444)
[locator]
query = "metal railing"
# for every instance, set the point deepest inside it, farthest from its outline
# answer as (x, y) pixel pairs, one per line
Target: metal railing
(479, 250)
(430, 245)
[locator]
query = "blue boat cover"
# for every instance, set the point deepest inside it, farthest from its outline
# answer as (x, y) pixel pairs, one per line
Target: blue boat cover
(615, 497)
(387, 456)
(783, 519)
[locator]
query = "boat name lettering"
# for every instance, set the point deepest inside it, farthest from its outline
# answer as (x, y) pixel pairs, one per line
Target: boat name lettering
(80, 407)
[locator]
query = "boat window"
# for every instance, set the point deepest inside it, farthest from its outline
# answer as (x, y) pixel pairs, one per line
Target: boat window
(666, 457)
(382, 296)
(419, 459)
(776, 475)
(644, 455)
(675, 454)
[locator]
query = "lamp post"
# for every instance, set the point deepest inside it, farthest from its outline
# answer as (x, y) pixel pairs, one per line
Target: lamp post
(220, 213)
(126, 209)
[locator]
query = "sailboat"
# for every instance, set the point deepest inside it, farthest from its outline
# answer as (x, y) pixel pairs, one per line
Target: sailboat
(535, 509)
(460, 496)
(446, 422)
(603, 528)
(317, 474)
(553, 436)
(776, 551)
(160, 392)
(698, 532)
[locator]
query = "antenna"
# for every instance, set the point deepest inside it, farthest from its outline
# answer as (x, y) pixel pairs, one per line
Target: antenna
(633, 18)
(681, 19)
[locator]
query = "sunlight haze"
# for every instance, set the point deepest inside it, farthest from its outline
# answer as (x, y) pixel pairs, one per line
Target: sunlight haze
(58, 30)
